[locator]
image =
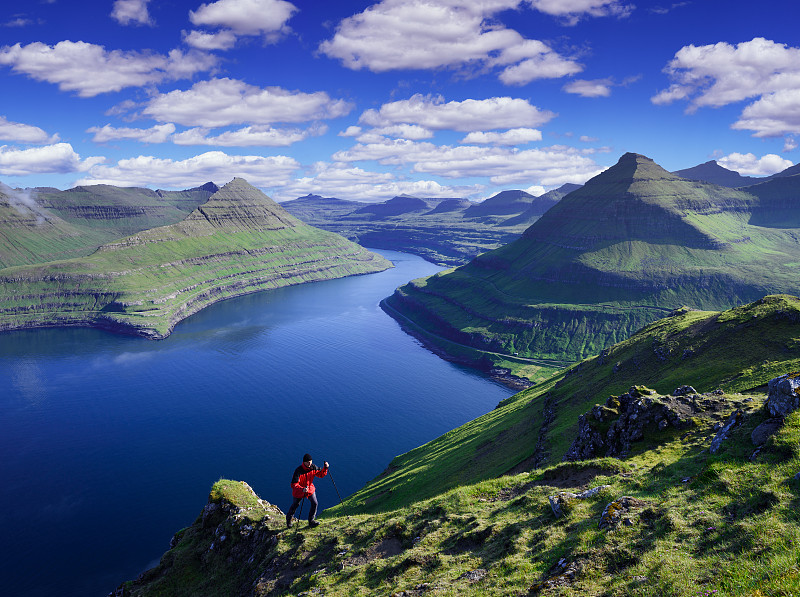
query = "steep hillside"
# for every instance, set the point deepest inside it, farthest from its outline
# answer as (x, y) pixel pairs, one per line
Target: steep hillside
(628, 247)
(702, 502)
(540, 205)
(239, 241)
(42, 225)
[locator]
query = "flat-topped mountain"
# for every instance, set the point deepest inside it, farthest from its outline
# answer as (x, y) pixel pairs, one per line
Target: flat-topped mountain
(238, 241)
(632, 244)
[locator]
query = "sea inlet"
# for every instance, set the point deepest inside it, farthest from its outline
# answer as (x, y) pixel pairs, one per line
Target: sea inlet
(109, 444)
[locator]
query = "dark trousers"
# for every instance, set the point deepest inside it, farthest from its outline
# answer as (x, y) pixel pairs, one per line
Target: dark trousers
(312, 500)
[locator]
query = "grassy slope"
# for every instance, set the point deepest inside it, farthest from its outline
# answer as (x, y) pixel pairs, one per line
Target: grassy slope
(238, 242)
(628, 247)
(74, 223)
(737, 350)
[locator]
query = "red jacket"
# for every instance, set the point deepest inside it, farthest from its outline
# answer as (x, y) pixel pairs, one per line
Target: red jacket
(303, 478)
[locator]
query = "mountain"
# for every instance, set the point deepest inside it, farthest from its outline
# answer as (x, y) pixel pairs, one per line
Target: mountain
(503, 204)
(446, 231)
(779, 201)
(238, 241)
(395, 206)
(790, 171)
(706, 487)
(327, 207)
(38, 225)
(713, 173)
(541, 204)
(631, 245)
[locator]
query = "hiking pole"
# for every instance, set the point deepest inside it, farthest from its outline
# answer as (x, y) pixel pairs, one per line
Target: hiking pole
(337, 492)
(302, 501)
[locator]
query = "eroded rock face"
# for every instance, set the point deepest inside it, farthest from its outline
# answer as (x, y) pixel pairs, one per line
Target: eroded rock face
(784, 394)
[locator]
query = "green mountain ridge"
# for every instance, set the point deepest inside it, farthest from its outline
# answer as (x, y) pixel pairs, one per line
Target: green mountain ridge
(631, 245)
(490, 509)
(238, 241)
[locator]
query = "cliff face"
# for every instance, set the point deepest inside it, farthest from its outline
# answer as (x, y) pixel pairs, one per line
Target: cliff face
(632, 244)
(237, 242)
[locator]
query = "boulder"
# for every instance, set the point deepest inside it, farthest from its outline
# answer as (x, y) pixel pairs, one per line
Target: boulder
(784, 394)
(684, 390)
(764, 431)
(614, 512)
(560, 502)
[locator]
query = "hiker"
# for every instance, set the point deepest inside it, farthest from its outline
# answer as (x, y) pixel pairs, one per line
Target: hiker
(303, 488)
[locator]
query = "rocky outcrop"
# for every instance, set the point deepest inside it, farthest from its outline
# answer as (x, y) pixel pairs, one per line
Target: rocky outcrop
(561, 503)
(610, 429)
(784, 394)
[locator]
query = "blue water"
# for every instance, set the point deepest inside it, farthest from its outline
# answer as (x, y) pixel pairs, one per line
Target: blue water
(109, 444)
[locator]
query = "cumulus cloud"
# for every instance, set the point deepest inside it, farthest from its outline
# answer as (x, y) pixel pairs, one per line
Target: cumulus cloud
(17, 132)
(547, 166)
(58, 158)
(249, 136)
(126, 12)
(749, 165)
(518, 136)
(593, 88)
(225, 102)
(221, 40)
(239, 18)
(356, 184)
(90, 70)
(156, 134)
(789, 144)
(572, 11)
(466, 116)
(261, 171)
(721, 74)
(423, 34)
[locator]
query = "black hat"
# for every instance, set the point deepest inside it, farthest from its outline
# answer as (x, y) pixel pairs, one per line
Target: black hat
(306, 457)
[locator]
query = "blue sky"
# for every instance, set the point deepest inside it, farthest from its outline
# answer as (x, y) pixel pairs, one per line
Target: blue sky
(367, 100)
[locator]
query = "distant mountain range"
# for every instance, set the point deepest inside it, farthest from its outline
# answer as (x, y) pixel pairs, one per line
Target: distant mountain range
(447, 231)
(632, 244)
(208, 244)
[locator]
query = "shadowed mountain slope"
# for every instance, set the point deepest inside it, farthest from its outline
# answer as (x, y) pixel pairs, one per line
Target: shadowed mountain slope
(237, 242)
(632, 244)
(713, 173)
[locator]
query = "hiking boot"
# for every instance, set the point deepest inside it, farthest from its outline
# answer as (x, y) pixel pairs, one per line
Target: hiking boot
(288, 521)
(312, 524)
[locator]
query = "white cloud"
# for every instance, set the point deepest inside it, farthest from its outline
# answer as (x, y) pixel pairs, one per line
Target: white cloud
(351, 131)
(126, 12)
(789, 144)
(518, 136)
(250, 136)
(535, 190)
(246, 17)
(221, 40)
(218, 166)
(427, 34)
(237, 18)
(59, 158)
(159, 133)
(548, 166)
(721, 74)
(356, 184)
(749, 165)
(23, 133)
(588, 139)
(571, 11)
(773, 115)
(225, 102)
(90, 70)
(466, 116)
(593, 88)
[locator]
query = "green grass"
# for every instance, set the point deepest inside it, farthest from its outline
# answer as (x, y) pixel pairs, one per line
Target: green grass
(703, 525)
(237, 242)
(630, 246)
